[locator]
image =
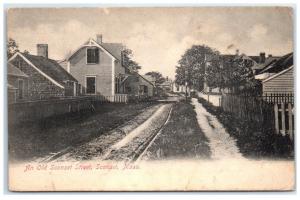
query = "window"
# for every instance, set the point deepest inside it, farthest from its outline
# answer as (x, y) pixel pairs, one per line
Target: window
(90, 85)
(145, 89)
(21, 88)
(92, 56)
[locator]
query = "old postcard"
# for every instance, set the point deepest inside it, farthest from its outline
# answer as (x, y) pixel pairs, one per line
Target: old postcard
(150, 99)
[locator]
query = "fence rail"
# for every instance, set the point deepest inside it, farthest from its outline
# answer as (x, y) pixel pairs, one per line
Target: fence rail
(275, 111)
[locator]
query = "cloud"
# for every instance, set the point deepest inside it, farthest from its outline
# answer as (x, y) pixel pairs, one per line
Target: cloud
(258, 31)
(61, 39)
(158, 37)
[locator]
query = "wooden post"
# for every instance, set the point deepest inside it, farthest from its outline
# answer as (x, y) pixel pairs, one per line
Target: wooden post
(276, 118)
(290, 121)
(283, 117)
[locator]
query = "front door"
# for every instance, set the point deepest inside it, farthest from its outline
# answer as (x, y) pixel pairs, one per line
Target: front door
(90, 85)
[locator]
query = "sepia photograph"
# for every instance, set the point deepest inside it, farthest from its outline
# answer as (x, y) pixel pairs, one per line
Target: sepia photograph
(150, 98)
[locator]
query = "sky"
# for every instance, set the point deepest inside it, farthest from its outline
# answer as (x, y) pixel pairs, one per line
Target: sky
(157, 36)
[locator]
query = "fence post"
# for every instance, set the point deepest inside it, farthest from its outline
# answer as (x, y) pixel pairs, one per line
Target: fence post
(283, 117)
(276, 118)
(290, 121)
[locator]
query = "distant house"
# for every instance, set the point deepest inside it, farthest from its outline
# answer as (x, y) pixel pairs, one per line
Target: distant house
(150, 78)
(278, 77)
(99, 68)
(257, 67)
(46, 78)
(138, 85)
(167, 85)
(180, 88)
(17, 84)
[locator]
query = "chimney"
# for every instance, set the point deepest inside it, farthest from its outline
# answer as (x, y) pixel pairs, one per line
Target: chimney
(42, 50)
(270, 55)
(237, 52)
(99, 38)
(262, 57)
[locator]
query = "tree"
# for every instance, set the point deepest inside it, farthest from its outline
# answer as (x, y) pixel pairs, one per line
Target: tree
(26, 52)
(214, 73)
(129, 62)
(157, 75)
(191, 66)
(235, 74)
(12, 47)
(240, 78)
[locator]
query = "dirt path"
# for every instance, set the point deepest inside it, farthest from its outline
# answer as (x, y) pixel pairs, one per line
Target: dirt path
(131, 146)
(122, 142)
(222, 146)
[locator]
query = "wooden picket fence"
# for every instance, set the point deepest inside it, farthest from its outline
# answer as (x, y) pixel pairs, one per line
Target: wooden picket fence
(117, 98)
(272, 111)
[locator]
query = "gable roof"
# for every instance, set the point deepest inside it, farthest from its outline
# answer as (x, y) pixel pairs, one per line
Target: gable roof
(48, 68)
(280, 64)
(268, 61)
(137, 74)
(14, 71)
(147, 80)
(278, 74)
(110, 48)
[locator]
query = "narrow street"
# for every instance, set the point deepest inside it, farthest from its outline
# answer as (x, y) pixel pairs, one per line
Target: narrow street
(171, 130)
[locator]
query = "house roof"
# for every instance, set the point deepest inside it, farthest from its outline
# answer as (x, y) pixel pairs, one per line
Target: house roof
(146, 79)
(280, 64)
(14, 71)
(278, 74)
(149, 78)
(51, 68)
(48, 68)
(268, 61)
(114, 48)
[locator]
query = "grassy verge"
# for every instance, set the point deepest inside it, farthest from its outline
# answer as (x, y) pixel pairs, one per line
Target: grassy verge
(251, 140)
(32, 140)
(181, 137)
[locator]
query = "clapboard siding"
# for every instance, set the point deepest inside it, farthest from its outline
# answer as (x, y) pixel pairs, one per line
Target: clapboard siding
(283, 83)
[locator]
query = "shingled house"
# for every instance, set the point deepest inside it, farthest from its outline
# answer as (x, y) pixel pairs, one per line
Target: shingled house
(17, 84)
(46, 78)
